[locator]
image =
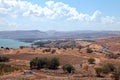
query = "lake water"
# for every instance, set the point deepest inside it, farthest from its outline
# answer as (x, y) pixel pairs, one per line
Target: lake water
(12, 43)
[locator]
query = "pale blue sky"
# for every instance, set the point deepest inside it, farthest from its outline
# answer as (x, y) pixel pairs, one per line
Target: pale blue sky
(61, 15)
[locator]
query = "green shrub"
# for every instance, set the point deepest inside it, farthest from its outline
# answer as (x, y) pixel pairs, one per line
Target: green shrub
(91, 60)
(98, 71)
(116, 73)
(68, 68)
(53, 63)
(4, 59)
(89, 50)
(38, 63)
(34, 63)
(42, 63)
(108, 68)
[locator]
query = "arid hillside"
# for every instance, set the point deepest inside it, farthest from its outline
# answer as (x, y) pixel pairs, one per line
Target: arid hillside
(102, 68)
(113, 44)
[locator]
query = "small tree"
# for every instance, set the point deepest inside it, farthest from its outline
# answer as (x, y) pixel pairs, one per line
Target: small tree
(91, 60)
(42, 63)
(38, 63)
(68, 68)
(34, 63)
(98, 71)
(2, 47)
(116, 73)
(108, 68)
(4, 59)
(89, 50)
(53, 51)
(53, 63)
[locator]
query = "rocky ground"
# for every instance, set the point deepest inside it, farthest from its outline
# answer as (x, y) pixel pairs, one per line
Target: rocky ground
(78, 57)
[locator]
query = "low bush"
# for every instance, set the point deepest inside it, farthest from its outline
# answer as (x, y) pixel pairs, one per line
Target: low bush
(4, 59)
(107, 68)
(116, 73)
(53, 51)
(53, 63)
(68, 68)
(98, 71)
(91, 60)
(89, 50)
(38, 63)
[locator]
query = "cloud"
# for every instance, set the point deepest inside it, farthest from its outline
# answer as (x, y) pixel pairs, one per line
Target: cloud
(108, 19)
(51, 11)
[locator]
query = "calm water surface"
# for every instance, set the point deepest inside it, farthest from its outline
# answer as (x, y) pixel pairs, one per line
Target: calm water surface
(12, 43)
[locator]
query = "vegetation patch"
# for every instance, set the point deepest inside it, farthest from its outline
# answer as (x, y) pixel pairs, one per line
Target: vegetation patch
(39, 63)
(91, 60)
(68, 68)
(5, 68)
(4, 59)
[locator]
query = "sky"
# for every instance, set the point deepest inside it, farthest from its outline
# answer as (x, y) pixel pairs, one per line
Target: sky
(60, 15)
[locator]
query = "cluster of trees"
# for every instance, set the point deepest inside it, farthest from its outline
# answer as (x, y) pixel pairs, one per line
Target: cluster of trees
(106, 69)
(4, 59)
(53, 63)
(49, 50)
(39, 63)
(109, 68)
(5, 48)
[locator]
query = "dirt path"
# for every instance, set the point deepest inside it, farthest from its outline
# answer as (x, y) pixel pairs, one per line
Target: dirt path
(97, 60)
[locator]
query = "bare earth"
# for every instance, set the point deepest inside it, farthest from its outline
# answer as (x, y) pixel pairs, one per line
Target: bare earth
(76, 57)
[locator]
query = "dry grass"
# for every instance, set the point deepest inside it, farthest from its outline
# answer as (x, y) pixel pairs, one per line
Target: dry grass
(22, 57)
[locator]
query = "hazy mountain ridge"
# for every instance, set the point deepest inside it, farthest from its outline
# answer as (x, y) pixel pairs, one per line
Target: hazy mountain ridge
(57, 34)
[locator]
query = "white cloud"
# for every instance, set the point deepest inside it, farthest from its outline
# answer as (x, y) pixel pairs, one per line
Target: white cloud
(52, 11)
(108, 19)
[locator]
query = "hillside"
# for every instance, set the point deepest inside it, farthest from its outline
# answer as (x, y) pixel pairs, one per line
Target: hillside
(36, 34)
(77, 56)
(112, 43)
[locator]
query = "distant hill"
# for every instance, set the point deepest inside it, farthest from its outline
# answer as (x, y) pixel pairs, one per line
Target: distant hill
(36, 34)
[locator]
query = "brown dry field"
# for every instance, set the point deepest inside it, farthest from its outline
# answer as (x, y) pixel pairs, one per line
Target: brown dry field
(73, 56)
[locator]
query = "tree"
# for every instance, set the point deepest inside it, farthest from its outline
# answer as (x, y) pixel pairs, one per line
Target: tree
(98, 71)
(4, 59)
(53, 63)
(116, 73)
(108, 68)
(38, 63)
(68, 68)
(34, 63)
(89, 50)
(42, 63)
(53, 51)
(2, 47)
(91, 60)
